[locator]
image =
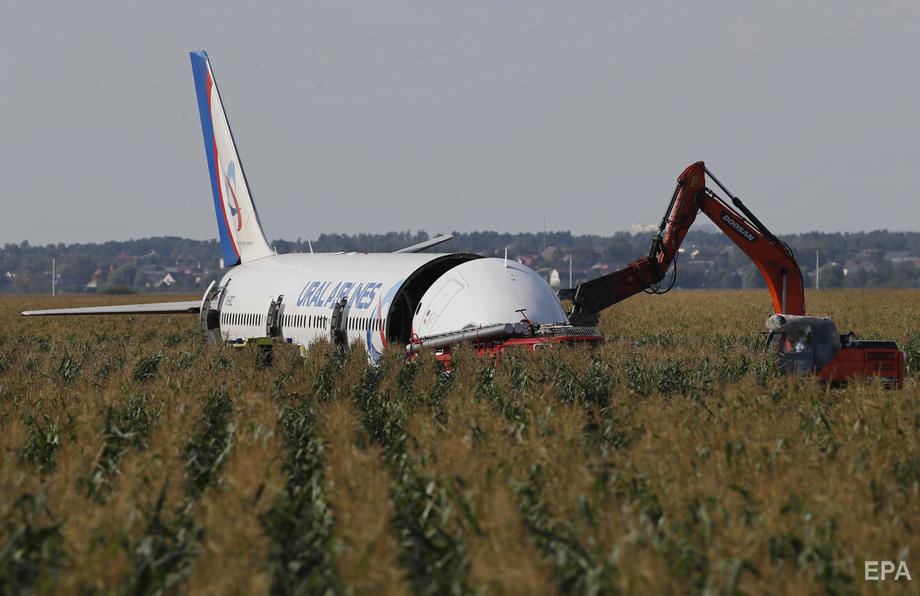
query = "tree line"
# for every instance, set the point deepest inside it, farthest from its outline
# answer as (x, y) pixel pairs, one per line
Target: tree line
(708, 260)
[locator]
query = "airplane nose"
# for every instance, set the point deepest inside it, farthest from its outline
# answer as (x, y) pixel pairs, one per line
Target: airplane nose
(483, 292)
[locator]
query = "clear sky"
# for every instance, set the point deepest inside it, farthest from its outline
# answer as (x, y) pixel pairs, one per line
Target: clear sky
(379, 116)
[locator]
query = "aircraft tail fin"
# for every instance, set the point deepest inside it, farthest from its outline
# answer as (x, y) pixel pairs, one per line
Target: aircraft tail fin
(241, 235)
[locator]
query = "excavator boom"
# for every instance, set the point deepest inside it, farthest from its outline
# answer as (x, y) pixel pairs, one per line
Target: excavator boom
(804, 344)
(773, 257)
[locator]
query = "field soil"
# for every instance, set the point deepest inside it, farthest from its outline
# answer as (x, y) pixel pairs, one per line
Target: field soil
(672, 459)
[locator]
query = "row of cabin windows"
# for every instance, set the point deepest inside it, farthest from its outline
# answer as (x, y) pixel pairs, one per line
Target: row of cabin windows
(306, 321)
(364, 324)
(242, 318)
(354, 324)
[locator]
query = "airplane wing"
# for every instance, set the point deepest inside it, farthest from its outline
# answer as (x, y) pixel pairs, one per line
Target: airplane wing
(192, 307)
(426, 244)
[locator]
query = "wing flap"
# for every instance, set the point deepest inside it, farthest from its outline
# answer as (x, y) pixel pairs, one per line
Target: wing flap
(191, 307)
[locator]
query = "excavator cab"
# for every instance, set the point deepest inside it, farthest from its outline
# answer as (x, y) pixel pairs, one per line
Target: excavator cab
(812, 346)
(805, 344)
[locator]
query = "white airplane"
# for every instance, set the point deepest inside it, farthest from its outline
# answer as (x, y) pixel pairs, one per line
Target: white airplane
(417, 300)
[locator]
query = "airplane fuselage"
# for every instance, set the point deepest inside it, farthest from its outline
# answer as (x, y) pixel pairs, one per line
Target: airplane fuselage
(376, 298)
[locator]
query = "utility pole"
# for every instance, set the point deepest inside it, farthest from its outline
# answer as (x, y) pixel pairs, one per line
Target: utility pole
(570, 270)
(817, 269)
(53, 275)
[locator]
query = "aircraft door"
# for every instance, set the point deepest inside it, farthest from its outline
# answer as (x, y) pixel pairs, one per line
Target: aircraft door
(338, 328)
(209, 317)
(273, 320)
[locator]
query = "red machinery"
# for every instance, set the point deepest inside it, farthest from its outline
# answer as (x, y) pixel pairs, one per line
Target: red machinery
(492, 340)
(804, 344)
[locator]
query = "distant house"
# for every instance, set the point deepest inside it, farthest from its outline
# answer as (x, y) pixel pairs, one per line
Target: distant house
(93, 284)
(900, 256)
(160, 279)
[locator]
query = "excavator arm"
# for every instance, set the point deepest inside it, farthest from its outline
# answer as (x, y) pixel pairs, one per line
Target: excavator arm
(773, 257)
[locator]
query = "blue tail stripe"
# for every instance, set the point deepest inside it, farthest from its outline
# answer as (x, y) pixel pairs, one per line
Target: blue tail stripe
(200, 71)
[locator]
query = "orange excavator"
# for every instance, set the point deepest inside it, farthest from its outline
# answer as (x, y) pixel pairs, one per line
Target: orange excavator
(805, 345)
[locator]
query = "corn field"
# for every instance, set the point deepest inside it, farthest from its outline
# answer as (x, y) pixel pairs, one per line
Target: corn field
(672, 459)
